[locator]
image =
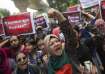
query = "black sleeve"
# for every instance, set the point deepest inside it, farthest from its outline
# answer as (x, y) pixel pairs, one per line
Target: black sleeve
(70, 43)
(90, 43)
(70, 36)
(35, 69)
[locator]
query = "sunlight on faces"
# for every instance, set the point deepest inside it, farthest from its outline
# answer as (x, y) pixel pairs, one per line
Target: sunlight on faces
(55, 47)
(22, 61)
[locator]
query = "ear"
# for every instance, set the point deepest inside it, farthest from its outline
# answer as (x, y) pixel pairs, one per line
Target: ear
(46, 47)
(63, 45)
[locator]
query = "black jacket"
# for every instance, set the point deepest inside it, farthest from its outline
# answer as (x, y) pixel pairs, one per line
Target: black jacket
(70, 43)
(30, 70)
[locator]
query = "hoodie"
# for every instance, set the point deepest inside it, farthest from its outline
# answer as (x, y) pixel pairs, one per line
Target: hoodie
(4, 65)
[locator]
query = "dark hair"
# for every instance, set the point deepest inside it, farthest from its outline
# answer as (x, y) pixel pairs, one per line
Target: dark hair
(37, 40)
(77, 28)
(19, 53)
(30, 41)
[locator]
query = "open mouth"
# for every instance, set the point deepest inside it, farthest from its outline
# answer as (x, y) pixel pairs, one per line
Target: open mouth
(24, 63)
(58, 48)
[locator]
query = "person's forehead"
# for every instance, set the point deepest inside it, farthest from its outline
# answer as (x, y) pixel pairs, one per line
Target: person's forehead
(20, 55)
(40, 41)
(13, 37)
(27, 43)
(53, 39)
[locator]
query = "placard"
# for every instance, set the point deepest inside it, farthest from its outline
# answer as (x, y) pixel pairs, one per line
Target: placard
(18, 24)
(40, 21)
(88, 3)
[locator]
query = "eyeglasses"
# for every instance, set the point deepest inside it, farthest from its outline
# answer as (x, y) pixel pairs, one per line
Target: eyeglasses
(20, 59)
(13, 40)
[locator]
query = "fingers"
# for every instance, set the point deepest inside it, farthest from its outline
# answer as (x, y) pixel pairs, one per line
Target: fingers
(53, 13)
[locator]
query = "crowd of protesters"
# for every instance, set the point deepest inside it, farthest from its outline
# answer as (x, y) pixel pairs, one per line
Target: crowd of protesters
(64, 49)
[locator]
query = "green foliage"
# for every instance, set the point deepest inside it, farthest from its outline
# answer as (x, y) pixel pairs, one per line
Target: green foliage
(62, 4)
(4, 13)
(73, 2)
(59, 4)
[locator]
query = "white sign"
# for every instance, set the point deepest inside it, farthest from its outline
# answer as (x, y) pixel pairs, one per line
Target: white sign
(88, 3)
(73, 18)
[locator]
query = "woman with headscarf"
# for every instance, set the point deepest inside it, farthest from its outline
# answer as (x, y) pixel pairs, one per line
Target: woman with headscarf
(59, 56)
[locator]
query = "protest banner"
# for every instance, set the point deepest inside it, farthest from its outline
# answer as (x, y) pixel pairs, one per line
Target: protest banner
(88, 3)
(73, 14)
(40, 21)
(1, 28)
(18, 24)
(74, 9)
(73, 18)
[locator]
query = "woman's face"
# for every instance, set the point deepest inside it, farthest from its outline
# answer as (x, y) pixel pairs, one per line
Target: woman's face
(55, 47)
(41, 44)
(14, 41)
(101, 28)
(22, 61)
(29, 47)
(100, 25)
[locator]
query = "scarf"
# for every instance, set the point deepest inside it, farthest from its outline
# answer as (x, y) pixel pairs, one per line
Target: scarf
(57, 62)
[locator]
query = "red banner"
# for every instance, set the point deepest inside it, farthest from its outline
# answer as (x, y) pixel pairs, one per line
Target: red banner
(18, 24)
(1, 28)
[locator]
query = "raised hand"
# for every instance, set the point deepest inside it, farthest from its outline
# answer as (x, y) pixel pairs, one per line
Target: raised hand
(53, 13)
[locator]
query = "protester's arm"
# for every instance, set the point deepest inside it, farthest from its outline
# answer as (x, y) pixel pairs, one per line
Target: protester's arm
(70, 37)
(69, 33)
(3, 43)
(36, 69)
(88, 15)
(52, 13)
(70, 43)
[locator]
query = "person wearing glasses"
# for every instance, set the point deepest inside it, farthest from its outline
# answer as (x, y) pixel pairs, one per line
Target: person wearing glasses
(23, 67)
